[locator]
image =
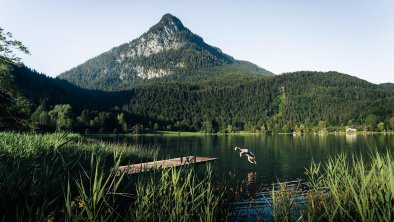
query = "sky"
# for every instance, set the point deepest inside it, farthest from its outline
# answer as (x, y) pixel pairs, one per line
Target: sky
(355, 37)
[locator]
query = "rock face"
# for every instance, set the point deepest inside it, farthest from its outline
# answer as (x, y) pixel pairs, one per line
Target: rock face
(160, 38)
(164, 36)
(167, 48)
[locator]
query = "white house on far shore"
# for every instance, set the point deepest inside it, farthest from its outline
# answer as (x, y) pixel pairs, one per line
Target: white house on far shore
(349, 129)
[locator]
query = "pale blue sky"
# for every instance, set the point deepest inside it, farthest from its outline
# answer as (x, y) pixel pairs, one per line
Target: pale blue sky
(350, 36)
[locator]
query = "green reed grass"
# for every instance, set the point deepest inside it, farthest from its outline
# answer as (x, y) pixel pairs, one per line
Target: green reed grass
(35, 170)
(96, 195)
(63, 177)
(286, 205)
(346, 189)
(177, 195)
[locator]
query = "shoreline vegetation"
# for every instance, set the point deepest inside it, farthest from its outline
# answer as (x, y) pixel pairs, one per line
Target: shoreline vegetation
(345, 188)
(186, 133)
(63, 177)
(52, 177)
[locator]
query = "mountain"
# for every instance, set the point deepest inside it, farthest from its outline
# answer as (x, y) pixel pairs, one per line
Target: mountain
(167, 49)
(169, 78)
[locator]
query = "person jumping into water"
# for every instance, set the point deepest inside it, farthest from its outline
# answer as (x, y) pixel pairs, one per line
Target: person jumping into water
(246, 152)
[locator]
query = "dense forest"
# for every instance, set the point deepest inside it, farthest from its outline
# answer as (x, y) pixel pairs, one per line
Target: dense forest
(300, 101)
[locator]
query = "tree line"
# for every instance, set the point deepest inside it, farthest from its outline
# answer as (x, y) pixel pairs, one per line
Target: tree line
(302, 102)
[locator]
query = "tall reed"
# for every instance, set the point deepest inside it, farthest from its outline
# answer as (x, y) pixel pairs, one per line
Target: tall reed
(96, 194)
(345, 189)
(62, 177)
(354, 190)
(177, 195)
(36, 171)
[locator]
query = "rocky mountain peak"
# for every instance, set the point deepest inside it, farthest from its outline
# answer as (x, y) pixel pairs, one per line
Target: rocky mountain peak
(169, 27)
(165, 35)
(166, 48)
(171, 22)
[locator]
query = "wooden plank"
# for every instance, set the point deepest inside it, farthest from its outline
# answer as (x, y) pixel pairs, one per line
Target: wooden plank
(162, 164)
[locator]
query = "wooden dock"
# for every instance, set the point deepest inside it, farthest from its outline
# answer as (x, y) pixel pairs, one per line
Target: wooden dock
(162, 164)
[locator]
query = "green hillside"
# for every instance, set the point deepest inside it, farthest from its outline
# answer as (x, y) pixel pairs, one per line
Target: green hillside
(236, 101)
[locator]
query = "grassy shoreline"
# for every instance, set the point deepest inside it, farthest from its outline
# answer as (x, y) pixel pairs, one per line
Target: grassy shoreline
(63, 177)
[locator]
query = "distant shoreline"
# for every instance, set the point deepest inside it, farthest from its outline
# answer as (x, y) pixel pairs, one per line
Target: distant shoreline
(186, 133)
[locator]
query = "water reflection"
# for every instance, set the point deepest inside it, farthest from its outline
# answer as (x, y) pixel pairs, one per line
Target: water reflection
(351, 138)
(251, 178)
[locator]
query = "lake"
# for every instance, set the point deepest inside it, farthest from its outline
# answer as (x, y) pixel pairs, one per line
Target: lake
(279, 157)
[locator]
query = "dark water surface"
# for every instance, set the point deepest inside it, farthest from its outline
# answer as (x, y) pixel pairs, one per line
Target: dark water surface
(279, 157)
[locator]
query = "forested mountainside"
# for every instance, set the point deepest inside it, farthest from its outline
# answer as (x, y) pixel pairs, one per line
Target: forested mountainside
(38, 87)
(387, 86)
(168, 48)
(288, 100)
(237, 101)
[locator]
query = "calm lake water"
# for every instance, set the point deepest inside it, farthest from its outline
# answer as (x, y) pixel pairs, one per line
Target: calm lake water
(279, 157)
